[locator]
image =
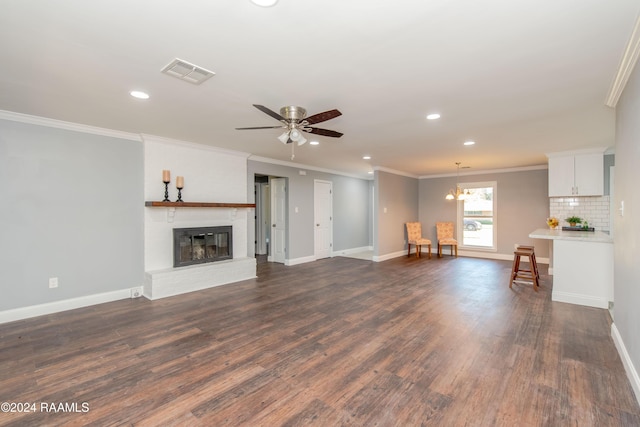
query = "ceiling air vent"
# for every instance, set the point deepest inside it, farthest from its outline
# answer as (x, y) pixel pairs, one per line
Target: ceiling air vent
(187, 71)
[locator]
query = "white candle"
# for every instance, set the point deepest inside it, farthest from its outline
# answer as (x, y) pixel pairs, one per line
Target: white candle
(166, 176)
(180, 182)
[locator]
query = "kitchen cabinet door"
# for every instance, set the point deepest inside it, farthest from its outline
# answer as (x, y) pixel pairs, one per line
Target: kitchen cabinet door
(589, 175)
(561, 176)
(579, 175)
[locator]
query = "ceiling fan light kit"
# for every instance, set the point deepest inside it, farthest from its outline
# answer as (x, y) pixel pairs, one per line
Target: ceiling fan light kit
(295, 121)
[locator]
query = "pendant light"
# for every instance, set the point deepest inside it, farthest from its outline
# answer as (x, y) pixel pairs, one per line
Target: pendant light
(458, 194)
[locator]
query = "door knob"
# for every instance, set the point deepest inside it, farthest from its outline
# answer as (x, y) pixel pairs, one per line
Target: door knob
(317, 225)
(273, 225)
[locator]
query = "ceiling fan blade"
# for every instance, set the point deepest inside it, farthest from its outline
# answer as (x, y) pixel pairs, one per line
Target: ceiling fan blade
(322, 117)
(263, 127)
(270, 112)
(323, 132)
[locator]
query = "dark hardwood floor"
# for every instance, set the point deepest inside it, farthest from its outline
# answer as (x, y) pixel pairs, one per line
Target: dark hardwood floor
(405, 342)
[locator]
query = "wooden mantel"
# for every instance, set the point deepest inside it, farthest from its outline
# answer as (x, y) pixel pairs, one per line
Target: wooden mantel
(199, 205)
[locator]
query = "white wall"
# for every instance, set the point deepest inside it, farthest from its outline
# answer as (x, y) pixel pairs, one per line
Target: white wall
(210, 175)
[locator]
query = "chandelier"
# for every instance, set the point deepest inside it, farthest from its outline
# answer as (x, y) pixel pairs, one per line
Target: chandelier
(458, 194)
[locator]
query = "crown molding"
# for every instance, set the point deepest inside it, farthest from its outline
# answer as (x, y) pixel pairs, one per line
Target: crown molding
(395, 172)
(59, 124)
(486, 171)
(192, 145)
(593, 150)
(627, 63)
(303, 166)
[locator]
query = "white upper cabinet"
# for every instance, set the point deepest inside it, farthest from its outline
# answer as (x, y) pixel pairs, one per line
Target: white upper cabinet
(576, 174)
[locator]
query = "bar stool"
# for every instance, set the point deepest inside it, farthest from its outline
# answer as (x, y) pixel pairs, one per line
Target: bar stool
(520, 273)
(532, 258)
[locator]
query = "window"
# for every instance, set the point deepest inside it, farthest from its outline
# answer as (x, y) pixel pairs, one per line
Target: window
(477, 224)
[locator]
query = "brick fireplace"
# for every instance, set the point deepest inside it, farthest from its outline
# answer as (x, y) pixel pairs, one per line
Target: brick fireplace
(213, 178)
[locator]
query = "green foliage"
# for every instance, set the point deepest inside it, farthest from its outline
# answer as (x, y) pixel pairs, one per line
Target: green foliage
(574, 219)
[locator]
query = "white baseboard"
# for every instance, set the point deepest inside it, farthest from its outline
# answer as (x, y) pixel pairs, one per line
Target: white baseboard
(378, 258)
(632, 373)
(352, 251)
(64, 305)
(494, 255)
(296, 261)
(586, 300)
(461, 252)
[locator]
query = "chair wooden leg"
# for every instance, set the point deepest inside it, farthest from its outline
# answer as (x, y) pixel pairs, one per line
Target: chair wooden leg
(439, 250)
(534, 271)
(513, 270)
(456, 250)
(429, 250)
(418, 249)
(408, 249)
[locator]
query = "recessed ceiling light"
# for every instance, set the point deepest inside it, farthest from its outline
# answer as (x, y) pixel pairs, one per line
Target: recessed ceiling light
(366, 157)
(264, 3)
(469, 142)
(370, 172)
(314, 143)
(433, 116)
(139, 94)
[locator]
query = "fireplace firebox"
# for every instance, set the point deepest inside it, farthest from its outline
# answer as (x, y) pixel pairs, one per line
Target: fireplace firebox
(201, 244)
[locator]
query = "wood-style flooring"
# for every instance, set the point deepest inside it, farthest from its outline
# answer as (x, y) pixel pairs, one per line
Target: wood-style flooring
(336, 342)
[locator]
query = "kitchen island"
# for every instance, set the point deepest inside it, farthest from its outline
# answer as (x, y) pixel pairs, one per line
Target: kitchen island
(582, 266)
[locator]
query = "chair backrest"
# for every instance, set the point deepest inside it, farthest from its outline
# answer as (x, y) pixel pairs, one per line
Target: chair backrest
(414, 230)
(444, 230)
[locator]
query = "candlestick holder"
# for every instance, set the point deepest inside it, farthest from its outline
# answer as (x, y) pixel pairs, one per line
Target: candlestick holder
(179, 194)
(166, 191)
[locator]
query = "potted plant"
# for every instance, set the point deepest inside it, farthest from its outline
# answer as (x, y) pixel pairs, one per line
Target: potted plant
(573, 220)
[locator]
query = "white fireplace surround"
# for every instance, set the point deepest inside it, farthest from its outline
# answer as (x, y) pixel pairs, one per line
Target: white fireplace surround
(210, 175)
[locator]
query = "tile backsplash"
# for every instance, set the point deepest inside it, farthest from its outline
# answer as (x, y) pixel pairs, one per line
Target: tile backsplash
(594, 210)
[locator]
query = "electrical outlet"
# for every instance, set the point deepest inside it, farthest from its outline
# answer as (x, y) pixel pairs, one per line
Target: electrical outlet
(53, 282)
(136, 292)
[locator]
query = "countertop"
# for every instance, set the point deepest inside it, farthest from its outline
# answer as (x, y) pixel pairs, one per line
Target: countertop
(582, 236)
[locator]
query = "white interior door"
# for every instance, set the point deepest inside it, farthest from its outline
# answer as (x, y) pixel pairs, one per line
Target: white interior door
(263, 223)
(323, 218)
(278, 249)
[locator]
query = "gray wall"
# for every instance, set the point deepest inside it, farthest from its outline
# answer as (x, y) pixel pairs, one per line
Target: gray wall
(399, 195)
(351, 212)
(351, 208)
(71, 207)
(523, 206)
(627, 227)
(609, 160)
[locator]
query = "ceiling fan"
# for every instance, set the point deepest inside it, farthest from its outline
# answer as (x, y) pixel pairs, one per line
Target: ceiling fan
(294, 120)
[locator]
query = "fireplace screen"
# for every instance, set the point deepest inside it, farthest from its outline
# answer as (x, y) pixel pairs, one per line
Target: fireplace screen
(201, 244)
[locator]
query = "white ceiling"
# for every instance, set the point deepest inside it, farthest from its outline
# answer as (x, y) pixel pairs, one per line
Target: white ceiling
(521, 78)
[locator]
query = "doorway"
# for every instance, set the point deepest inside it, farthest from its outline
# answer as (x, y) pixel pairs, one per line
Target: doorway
(271, 218)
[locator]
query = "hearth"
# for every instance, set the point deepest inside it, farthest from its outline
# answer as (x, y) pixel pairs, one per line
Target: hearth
(201, 245)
